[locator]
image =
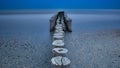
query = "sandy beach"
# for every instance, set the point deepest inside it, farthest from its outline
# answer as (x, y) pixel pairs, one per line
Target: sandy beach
(25, 41)
(95, 49)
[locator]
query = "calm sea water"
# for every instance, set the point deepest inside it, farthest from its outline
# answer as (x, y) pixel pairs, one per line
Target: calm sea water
(30, 24)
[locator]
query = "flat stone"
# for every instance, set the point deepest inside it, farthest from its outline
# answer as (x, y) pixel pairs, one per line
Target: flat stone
(60, 50)
(65, 61)
(57, 31)
(58, 27)
(60, 61)
(58, 37)
(58, 34)
(58, 43)
(56, 60)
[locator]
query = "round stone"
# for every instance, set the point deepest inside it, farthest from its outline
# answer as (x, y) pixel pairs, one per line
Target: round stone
(58, 37)
(58, 27)
(58, 34)
(59, 61)
(60, 50)
(65, 61)
(58, 43)
(57, 31)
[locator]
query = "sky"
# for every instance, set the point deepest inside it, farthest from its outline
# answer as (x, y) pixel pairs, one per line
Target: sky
(59, 4)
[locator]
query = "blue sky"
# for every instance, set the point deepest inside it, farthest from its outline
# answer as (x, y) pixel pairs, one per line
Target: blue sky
(59, 4)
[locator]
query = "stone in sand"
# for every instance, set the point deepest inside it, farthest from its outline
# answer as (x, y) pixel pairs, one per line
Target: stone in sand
(58, 43)
(58, 27)
(58, 37)
(60, 62)
(58, 34)
(59, 51)
(58, 31)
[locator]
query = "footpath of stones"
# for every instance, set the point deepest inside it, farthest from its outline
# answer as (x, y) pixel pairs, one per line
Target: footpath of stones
(59, 59)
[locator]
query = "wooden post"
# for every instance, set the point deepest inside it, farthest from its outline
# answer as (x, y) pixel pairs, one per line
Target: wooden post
(52, 22)
(68, 23)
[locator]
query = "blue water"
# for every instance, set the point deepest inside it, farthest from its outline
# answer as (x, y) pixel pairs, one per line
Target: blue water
(95, 22)
(31, 24)
(59, 4)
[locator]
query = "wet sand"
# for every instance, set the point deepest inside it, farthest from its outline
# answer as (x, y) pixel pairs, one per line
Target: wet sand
(94, 49)
(25, 41)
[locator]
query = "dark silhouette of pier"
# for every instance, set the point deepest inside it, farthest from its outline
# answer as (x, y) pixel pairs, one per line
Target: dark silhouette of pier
(63, 19)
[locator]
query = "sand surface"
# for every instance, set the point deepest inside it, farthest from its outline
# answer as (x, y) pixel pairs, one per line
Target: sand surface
(25, 41)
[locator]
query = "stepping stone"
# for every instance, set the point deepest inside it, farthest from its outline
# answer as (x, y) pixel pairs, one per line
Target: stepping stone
(58, 37)
(58, 27)
(60, 62)
(59, 51)
(57, 31)
(58, 43)
(58, 34)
